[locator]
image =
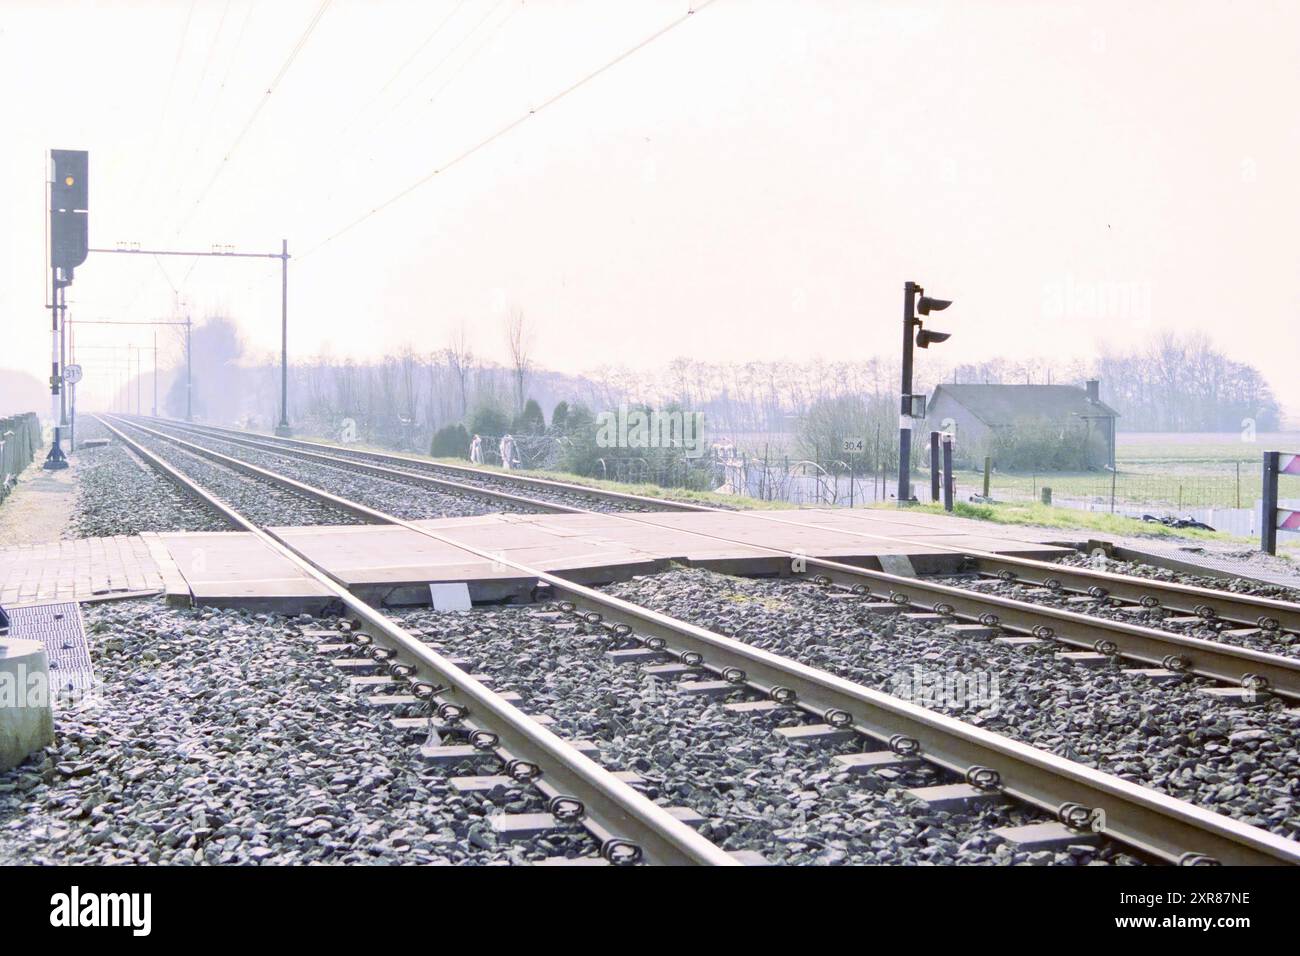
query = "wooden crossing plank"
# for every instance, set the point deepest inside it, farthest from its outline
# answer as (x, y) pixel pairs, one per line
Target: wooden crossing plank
(236, 569)
(229, 568)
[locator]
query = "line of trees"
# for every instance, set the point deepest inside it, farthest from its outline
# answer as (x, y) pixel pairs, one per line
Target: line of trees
(1172, 381)
(404, 400)
(1183, 383)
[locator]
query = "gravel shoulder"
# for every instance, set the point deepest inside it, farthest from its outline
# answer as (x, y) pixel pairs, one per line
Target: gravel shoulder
(38, 510)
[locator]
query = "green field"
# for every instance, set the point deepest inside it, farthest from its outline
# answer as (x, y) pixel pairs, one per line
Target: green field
(1172, 471)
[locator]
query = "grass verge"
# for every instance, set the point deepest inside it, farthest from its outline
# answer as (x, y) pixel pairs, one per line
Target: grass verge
(1045, 516)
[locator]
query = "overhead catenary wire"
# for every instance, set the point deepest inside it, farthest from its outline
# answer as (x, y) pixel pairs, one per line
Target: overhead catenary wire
(257, 110)
(508, 127)
(443, 59)
(429, 38)
(487, 37)
(206, 128)
(167, 102)
(194, 100)
(163, 270)
(212, 49)
(454, 161)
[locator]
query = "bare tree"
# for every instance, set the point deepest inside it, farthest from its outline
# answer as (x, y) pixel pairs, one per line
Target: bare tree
(519, 340)
(460, 359)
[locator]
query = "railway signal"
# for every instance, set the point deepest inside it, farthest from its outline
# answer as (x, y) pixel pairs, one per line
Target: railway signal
(913, 406)
(69, 245)
(69, 202)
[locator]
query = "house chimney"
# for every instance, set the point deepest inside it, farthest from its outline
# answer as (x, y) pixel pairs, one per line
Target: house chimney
(1094, 390)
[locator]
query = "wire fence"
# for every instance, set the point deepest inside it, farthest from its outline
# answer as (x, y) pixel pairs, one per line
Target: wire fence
(803, 481)
(1230, 485)
(20, 437)
(1220, 486)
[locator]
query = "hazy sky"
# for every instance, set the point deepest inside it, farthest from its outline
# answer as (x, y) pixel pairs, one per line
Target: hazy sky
(757, 183)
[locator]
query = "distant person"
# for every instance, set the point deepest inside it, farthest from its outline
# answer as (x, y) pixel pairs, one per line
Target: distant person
(509, 454)
(476, 450)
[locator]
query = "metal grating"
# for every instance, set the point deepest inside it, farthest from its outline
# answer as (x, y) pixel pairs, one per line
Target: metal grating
(60, 628)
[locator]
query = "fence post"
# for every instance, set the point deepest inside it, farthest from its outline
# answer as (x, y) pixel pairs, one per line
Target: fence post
(947, 473)
(1114, 473)
(1268, 505)
(934, 466)
(988, 468)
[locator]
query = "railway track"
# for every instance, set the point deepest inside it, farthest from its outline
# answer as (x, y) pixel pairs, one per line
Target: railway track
(1205, 603)
(628, 826)
(1136, 817)
(565, 496)
(1163, 654)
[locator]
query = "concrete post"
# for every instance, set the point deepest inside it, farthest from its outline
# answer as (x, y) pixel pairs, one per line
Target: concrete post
(26, 711)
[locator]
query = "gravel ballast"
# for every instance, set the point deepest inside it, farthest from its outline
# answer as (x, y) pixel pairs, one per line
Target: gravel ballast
(1226, 632)
(787, 801)
(409, 500)
(119, 494)
(1236, 759)
(574, 499)
(224, 737)
(262, 502)
(1099, 562)
(491, 481)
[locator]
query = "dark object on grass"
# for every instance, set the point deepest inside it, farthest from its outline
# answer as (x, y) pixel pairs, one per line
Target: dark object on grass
(1169, 521)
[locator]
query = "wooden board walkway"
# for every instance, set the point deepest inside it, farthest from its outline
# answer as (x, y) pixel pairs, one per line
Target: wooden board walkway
(395, 565)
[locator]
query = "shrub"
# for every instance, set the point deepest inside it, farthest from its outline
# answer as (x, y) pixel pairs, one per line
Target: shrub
(451, 441)
(530, 421)
(1036, 444)
(489, 421)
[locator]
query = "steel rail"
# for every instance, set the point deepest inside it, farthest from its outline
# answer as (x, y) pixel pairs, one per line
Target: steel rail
(380, 471)
(307, 491)
(614, 811)
(1263, 612)
(1209, 603)
(661, 504)
(1227, 663)
(1151, 822)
